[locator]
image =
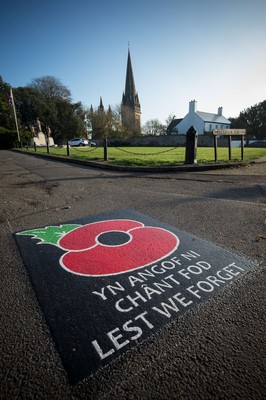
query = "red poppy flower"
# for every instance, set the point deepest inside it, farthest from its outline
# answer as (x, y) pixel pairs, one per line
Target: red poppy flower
(115, 246)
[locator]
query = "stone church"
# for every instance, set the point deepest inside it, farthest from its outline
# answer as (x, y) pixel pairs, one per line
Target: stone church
(130, 105)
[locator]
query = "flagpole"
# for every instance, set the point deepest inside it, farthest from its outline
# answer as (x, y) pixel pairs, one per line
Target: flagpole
(15, 114)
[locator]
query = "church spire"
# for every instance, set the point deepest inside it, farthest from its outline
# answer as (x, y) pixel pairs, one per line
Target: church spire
(101, 107)
(130, 89)
(130, 100)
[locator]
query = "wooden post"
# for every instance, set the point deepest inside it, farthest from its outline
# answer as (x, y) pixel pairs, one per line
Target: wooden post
(215, 148)
(229, 133)
(67, 149)
(230, 147)
(242, 147)
(34, 144)
(105, 149)
(47, 146)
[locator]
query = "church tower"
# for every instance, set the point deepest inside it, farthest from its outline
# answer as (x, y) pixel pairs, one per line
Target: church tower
(130, 107)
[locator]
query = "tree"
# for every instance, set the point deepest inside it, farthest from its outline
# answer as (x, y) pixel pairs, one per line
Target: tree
(46, 99)
(169, 119)
(252, 119)
(171, 123)
(117, 129)
(154, 127)
(106, 124)
(69, 120)
(6, 113)
(8, 128)
(30, 105)
(51, 87)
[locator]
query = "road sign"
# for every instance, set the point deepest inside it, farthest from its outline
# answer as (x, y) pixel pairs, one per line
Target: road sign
(231, 132)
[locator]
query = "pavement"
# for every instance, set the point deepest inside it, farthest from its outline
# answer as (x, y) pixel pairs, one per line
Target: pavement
(215, 351)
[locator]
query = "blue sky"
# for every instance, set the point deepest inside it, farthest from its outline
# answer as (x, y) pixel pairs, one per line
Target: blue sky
(210, 51)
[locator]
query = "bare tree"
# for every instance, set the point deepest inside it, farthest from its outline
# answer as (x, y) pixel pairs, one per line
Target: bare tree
(51, 87)
(153, 127)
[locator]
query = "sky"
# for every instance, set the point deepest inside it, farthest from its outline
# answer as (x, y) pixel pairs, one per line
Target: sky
(211, 51)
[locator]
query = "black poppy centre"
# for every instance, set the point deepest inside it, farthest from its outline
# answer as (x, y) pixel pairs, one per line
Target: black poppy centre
(114, 238)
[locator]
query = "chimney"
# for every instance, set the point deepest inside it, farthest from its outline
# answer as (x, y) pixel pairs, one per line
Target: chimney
(220, 111)
(192, 106)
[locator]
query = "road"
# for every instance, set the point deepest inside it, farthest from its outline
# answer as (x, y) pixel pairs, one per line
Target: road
(215, 351)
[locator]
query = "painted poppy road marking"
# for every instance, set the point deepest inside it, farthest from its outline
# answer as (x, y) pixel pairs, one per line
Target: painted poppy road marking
(109, 281)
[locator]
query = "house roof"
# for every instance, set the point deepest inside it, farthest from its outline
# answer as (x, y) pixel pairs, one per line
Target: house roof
(213, 118)
(173, 124)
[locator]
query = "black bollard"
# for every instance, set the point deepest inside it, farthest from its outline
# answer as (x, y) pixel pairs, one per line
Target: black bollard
(191, 146)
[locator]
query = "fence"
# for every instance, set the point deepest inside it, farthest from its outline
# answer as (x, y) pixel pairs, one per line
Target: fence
(108, 151)
(82, 150)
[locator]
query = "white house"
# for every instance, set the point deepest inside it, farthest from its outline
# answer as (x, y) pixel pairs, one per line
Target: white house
(202, 121)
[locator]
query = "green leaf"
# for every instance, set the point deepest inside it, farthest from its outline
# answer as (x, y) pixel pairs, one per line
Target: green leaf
(50, 234)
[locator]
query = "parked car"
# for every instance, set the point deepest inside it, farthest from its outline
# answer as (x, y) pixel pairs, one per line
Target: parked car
(78, 142)
(92, 143)
(258, 143)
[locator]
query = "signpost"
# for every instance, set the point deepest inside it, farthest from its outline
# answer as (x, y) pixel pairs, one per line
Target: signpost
(229, 133)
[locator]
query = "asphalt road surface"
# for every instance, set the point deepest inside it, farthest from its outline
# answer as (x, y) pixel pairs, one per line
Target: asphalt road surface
(215, 351)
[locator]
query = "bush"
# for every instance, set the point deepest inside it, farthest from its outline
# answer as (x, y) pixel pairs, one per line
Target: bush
(25, 138)
(7, 138)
